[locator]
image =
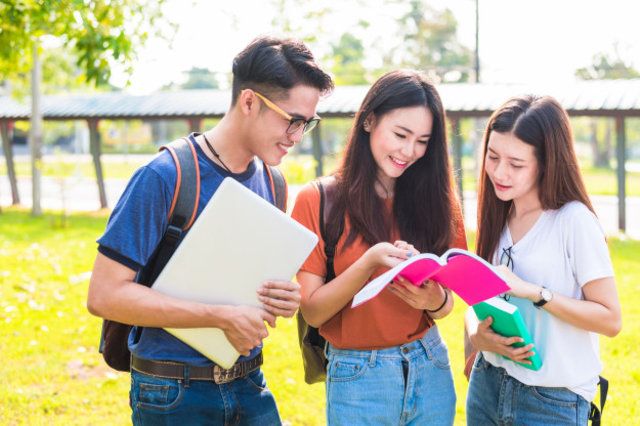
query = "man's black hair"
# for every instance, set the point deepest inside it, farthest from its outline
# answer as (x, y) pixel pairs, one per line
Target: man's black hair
(273, 65)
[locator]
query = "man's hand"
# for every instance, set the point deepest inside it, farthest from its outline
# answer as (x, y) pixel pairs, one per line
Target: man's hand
(280, 298)
(245, 327)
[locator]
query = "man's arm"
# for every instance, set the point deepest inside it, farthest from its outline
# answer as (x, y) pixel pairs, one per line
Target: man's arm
(114, 295)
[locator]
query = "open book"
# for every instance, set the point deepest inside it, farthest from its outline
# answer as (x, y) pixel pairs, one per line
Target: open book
(508, 322)
(467, 274)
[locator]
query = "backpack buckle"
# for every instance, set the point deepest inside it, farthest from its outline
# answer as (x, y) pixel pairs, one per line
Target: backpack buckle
(173, 233)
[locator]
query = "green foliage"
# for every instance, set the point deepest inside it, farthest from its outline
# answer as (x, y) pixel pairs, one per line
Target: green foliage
(100, 33)
(348, 57)
(429, 43)
(301, 20)
(52, 373)
(197, 78)
(608, 67)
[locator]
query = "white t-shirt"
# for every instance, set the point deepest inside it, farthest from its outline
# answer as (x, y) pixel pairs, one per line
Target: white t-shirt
(564, 250)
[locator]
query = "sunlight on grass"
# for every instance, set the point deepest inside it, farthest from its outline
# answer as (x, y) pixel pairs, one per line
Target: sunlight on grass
(298, 169)
(51, 372)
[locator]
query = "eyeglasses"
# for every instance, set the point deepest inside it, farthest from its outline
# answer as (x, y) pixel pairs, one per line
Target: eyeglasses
(506, 260)
(295, 123)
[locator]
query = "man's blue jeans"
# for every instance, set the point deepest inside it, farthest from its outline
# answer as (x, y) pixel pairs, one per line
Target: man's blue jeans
(244, 401)
(495, 398)
(408, 384)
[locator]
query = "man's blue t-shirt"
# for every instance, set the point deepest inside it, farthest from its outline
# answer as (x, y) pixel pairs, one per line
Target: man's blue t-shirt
(139, 220)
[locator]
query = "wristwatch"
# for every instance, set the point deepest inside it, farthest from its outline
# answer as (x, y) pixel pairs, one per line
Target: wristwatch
(545, 296)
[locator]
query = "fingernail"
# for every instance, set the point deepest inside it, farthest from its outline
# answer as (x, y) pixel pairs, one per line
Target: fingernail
(409, 254)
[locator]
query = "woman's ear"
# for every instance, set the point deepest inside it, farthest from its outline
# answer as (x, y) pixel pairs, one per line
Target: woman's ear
(369, 122)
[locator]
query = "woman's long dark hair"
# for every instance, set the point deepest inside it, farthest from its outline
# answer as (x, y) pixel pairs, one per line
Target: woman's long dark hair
(423, 205)
(542, 123)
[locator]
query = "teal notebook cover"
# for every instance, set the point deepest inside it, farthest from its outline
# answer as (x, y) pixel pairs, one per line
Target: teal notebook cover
(508, 322)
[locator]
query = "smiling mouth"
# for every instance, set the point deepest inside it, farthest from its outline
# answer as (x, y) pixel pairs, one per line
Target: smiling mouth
(501, 187)
(285, 147)
(399, 163)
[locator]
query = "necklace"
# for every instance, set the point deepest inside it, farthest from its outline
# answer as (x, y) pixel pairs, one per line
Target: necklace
(215, 154)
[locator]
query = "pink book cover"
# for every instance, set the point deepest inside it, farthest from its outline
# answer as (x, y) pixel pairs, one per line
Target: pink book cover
(472, 278)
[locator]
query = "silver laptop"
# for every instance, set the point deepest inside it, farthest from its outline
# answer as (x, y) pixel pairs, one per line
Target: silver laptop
(238, 241)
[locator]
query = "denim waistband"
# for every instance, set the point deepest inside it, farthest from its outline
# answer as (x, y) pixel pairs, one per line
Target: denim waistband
(429, 340)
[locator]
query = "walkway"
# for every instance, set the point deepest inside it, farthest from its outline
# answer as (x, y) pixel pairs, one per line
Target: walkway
(77, 194)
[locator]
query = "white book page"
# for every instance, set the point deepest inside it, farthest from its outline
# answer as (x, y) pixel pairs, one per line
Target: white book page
(375, 286)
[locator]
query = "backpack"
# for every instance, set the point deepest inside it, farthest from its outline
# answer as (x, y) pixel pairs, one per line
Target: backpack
(114, 336)
(312, 344)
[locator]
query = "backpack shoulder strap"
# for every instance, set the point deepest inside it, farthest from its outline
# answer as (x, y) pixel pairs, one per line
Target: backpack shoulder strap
(327, 187)
(279, 188)
(184, 206)
(187, 190)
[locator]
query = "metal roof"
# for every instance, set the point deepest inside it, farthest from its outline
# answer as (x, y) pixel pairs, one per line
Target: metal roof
(597, 97)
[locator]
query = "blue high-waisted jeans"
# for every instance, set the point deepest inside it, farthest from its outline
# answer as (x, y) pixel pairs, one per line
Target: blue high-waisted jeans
(495, 398)
(402, 385)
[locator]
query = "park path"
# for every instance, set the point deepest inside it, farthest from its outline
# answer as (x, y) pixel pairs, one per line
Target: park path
(79, 194)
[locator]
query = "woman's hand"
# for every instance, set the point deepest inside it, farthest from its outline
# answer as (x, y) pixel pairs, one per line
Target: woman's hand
(485, 339)
(403, 245)
(386, 255)
(430, 295)
(518, 287)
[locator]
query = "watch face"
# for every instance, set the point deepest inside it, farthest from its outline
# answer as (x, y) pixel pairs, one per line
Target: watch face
(546, 294)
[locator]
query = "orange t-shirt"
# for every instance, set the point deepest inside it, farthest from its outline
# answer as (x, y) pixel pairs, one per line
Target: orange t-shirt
(384, 321)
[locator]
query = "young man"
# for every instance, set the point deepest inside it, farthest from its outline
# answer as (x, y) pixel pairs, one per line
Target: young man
(276, 88)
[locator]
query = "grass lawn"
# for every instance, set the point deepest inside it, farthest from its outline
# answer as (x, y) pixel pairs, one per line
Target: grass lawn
(298, 169)
(51, 372)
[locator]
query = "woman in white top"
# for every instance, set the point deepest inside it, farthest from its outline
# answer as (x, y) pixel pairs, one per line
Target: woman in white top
(535, 220)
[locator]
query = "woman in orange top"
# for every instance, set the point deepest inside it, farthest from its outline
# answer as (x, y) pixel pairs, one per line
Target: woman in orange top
(387, 363)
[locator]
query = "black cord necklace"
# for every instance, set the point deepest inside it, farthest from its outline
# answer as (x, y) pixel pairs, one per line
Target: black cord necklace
(215, 154)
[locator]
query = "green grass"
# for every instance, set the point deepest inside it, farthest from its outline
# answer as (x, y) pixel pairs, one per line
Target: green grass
(51, 372)
(597, 181)
(66, 166)
(298, 169)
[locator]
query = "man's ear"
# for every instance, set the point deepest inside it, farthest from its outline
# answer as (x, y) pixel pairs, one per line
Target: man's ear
(247, 101)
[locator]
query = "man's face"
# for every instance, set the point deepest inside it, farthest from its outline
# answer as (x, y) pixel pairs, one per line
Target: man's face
(270, 139)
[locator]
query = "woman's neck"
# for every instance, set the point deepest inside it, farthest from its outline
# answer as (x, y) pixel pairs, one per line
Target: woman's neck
(525, 206)
(385, 186)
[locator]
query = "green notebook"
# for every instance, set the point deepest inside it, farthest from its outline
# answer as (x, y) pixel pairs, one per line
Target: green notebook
(508, 322)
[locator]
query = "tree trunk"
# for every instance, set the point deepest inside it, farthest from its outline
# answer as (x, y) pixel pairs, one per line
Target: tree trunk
(317, 150)
(35, 137)
(607, 149)
(94, 142)
(8, 155)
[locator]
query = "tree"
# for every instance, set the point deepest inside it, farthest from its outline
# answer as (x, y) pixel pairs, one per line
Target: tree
(605, 67)
(302, 20)
(429, 43)
(348, 56)
(100, 34)
(200, 78)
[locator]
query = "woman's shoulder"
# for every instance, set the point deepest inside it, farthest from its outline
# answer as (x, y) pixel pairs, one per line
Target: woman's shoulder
(577, 216)
(575, 209)
(309, 193)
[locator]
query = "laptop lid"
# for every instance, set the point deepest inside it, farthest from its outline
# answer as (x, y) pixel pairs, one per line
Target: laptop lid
(239, 241)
